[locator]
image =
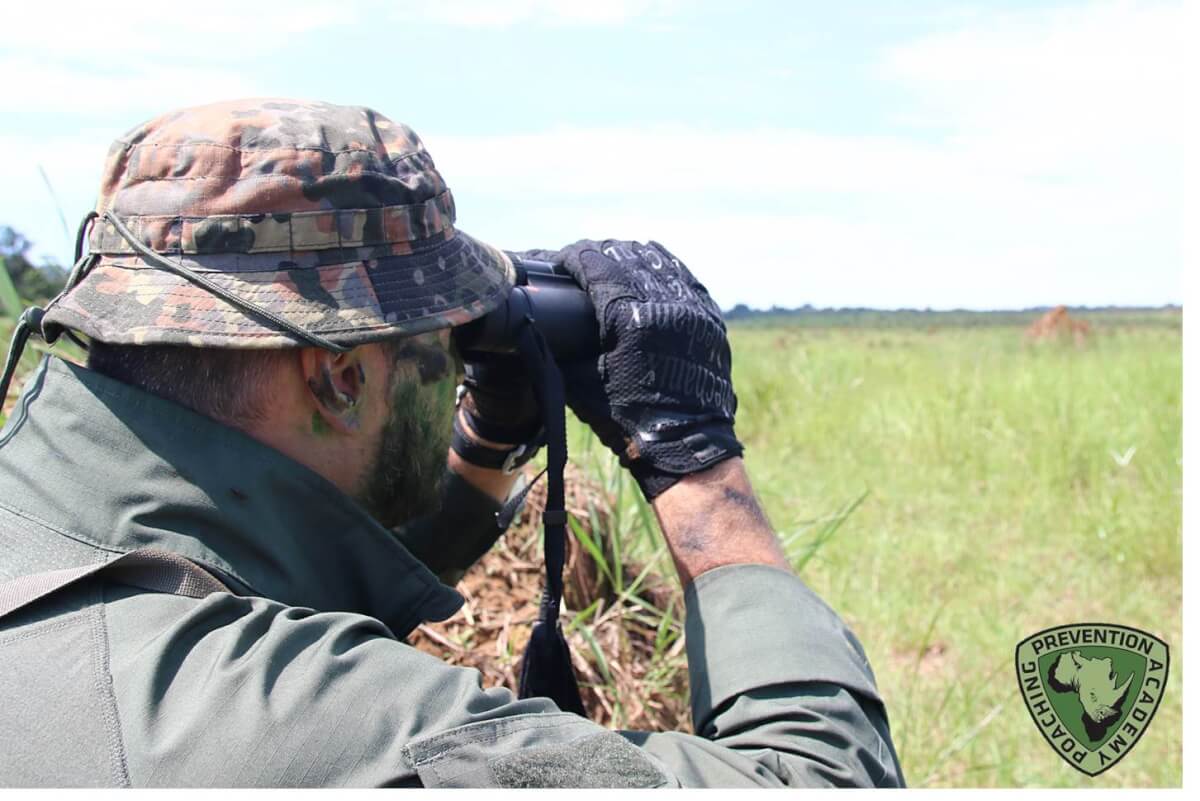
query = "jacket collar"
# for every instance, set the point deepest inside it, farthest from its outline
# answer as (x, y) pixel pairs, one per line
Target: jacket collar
(110, 465)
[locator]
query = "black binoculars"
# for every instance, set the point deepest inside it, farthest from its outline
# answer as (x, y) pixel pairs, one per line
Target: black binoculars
(560, 309)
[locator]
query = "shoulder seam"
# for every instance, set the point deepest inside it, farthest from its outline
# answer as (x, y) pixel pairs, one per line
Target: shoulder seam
(107, 693)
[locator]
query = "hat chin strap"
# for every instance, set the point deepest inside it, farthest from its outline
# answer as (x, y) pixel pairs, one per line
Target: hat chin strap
(31, 321)
(178, 269)
(26, 325)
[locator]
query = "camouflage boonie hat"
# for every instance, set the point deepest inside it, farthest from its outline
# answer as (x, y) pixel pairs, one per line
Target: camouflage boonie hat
(333, 218)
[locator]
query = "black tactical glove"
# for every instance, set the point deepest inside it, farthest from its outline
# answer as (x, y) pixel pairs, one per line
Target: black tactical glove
(497, 400)
(660, 394)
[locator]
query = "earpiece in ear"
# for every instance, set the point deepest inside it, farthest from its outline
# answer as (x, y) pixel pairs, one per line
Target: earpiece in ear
(329, 395)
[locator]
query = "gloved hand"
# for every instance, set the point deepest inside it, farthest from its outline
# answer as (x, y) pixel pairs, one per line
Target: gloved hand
(498, 402)
(660, 395)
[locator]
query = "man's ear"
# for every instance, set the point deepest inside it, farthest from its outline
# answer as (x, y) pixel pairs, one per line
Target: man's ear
(336, 383)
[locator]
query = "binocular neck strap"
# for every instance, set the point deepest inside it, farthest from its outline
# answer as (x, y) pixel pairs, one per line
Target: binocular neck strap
(546, 668)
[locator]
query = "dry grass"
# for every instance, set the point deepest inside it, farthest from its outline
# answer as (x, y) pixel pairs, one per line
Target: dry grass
(625, 633)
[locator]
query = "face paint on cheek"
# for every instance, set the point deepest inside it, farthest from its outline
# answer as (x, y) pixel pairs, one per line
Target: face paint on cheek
(405, 480)
(319, 426)
(430, 353)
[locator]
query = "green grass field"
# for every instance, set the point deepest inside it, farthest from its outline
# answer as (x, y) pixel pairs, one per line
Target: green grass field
(951, 491)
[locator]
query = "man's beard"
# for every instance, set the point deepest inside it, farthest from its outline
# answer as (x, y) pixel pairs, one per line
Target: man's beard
(405, 481)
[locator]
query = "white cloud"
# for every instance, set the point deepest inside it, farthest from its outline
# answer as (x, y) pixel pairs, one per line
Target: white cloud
(231, 27)
(1030, 96)
(1085, 50)
(118, 31)
(505, 13)
(136, 89)
(127, 54)
(140, 57)
(682, 160)
(1055, 89)
(132, 59)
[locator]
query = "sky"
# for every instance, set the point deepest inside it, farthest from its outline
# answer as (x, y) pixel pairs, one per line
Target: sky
(916, 154)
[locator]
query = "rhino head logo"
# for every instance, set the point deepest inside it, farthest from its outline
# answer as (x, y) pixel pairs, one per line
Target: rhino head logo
(1092, 689)
(1096, 684)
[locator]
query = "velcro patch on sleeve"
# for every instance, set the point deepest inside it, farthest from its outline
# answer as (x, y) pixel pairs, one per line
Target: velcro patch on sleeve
(601, 760)
(551, 749)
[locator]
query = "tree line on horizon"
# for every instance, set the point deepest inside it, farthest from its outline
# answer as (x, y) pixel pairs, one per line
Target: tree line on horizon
(863, 314)
(33, 282)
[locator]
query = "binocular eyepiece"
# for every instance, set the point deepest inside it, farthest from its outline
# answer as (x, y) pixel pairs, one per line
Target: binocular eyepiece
(562, 311)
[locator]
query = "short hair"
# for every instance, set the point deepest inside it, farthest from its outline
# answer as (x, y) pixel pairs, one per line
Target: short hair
(229, 385)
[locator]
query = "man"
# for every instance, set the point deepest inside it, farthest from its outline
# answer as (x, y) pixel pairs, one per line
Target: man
(269, 298)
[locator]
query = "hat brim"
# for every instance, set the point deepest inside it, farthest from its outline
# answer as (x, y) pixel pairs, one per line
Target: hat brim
(349, 296)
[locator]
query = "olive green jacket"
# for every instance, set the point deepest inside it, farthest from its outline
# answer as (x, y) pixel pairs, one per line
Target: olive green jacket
(301, 677)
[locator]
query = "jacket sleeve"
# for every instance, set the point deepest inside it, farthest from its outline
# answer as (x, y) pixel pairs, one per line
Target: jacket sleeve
(453, 538)
(781, 690)
(782, 696)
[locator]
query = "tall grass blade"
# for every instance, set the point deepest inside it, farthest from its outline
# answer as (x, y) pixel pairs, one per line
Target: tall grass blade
(827, 532)
(590, 545)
